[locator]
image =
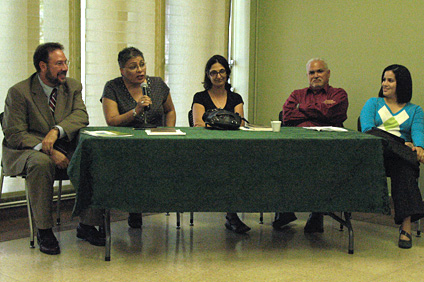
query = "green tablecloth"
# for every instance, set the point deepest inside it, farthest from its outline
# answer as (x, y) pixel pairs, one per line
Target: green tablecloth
(230, 171)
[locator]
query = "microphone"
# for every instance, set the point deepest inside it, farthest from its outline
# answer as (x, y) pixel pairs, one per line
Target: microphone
(145, 125)
(144, 88)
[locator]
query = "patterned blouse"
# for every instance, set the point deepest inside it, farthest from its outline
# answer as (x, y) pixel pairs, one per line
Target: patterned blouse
(157, 90)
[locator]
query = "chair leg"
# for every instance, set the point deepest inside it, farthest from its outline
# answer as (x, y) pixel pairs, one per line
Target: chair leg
(1, 181)
(31, 225)
(191, 218)
(59, 196)
(341, 225)
(261, 218)
(178, 220)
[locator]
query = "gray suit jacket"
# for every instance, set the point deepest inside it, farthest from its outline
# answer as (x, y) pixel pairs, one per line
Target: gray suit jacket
(27, 119)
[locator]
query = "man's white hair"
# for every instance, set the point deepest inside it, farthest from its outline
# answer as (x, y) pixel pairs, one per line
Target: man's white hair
(313, 60)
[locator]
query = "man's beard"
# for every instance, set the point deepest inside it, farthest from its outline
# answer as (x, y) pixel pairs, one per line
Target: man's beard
(54, 80)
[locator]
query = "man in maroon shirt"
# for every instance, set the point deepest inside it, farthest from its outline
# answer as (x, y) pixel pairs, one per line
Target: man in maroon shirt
(317, 105)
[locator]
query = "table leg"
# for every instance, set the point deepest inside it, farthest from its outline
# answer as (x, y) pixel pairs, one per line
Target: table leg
(108, 237)
(349, 227)
(346, 222)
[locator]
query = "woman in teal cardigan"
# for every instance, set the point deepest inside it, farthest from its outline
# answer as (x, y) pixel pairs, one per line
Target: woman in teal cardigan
(393, 117)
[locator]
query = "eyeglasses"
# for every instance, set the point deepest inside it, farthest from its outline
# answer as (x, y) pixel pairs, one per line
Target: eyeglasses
(214, 73)
(135, 66)
(62, 63)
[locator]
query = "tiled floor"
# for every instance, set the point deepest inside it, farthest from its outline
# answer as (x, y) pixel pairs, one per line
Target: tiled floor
(208, 252)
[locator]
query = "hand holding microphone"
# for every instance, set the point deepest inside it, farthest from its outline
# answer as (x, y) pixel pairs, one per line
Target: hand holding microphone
(144, 103)
(145, 96)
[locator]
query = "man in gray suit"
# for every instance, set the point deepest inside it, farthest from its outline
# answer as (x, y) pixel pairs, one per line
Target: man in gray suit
(42, 117)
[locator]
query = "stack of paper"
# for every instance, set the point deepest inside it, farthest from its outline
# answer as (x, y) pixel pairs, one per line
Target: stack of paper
(327, 128)
(255, 127)
(164, 131)
(106, 133)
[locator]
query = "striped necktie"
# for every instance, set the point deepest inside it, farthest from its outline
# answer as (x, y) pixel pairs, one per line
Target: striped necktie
(52, 100)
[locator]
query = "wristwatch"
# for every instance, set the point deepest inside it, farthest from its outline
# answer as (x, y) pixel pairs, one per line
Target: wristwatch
(134, 113)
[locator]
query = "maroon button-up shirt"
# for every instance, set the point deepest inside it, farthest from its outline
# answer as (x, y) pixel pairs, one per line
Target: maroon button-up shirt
(304, 108)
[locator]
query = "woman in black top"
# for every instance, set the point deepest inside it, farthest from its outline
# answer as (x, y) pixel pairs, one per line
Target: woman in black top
(218, 94)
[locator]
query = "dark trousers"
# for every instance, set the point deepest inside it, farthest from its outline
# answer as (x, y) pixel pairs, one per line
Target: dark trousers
(40, 174)
(403, 168)
(405, 192)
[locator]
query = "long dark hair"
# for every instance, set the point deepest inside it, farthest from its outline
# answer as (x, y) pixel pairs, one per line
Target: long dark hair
(403, 83)
(207, 83)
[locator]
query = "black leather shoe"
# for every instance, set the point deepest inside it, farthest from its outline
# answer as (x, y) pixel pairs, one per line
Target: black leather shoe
(315, 223)
(236, 225)
(48, 243)
(282, 219)
(90, 234)
(405, 244)
(135, 220)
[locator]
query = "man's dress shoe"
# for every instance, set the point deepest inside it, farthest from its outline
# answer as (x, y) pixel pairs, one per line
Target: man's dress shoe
(91, 234)
(48, 243)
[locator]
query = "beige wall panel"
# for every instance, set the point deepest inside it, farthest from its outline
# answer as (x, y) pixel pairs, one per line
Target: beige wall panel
(357, 38)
